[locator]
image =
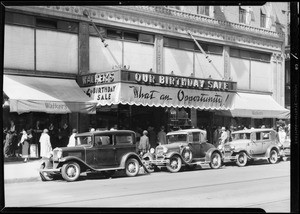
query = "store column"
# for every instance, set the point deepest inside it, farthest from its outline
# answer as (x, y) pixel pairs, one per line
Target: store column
(83, 54)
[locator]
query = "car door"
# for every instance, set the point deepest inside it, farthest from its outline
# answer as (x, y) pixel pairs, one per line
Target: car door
(194, 143)
(124, 143)
(266, 140)
(256, 145)
(103, 154)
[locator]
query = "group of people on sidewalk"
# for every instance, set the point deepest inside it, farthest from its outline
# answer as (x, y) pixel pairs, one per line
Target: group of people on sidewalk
(35, 142)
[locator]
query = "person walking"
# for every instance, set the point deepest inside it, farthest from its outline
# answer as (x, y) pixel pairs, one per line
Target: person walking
(152, 137)
(45, 144)
(162, 136)
(144, 144)
(25, 142)
(72, 140)
(223, 138)
(281, 135)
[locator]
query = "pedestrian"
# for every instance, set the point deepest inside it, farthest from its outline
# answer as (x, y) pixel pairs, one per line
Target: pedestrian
(144, 145)
(216, 136)
(37, 131)
(223, 138)
(45, 144)
(53, 133)
(72, 140)
(162, 136)
(281, 135)
(64, 135)
(8, 146)
(25, 142)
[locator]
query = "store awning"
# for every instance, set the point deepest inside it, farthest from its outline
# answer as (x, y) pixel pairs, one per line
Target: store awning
(255, 106)
(50, 95)
(156, 96)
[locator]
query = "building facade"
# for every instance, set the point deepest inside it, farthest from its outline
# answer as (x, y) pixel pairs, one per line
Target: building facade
(147, 70)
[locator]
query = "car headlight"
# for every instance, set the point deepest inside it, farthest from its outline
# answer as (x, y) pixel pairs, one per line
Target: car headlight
(59, 153)
(232, 147)
(165, 149)
(220, 147)
(152, 151)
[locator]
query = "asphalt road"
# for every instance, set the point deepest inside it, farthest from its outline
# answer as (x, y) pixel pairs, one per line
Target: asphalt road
(261, 185)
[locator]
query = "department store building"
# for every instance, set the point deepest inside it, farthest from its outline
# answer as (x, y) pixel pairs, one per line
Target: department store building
(147, 70)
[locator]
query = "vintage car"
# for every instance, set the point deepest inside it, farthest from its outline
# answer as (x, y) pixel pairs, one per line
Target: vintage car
(286, 149)
(252, 144)
(187, 147)
(101, 151)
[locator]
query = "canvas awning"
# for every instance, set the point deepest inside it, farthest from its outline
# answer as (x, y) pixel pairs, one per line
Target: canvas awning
(155, 96)
(255, 106)
(42, 94)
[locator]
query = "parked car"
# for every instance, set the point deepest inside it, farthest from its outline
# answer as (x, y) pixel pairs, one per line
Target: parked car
(100, 151)
(252, 144)
(187, 147)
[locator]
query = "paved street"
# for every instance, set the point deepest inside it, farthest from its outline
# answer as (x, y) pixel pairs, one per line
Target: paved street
(256, 186)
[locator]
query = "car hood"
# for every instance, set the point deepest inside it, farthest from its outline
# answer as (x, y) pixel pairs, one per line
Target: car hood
(237, 143)
(173, 146)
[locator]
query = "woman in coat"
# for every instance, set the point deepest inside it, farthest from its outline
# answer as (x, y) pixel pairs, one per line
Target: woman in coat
(25, 141)
(46, 147)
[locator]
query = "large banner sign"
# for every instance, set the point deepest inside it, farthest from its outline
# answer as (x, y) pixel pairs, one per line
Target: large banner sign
(134, 94)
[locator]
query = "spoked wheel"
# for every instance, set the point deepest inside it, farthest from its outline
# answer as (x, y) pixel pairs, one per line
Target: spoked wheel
(70, 171)
(216, 161)
(187, 155)
(273, 157)
(45, 176)
(241, 159)
(175, 164)
(132, 167)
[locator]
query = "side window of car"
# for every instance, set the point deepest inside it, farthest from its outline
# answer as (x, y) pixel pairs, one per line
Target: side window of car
(98, 141)
(196, 137)
(265, 135)
(124, 139)
(106, 140)
(258, 136)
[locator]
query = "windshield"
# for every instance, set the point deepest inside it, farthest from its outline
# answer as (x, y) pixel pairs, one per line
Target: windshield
(83, 141)
(176, 138)
(241, 136)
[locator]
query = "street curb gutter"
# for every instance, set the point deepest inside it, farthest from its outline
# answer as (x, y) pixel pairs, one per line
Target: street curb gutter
(20, 180)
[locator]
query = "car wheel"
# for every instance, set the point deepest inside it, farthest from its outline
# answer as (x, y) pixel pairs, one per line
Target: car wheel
(175, 164)
(70, 171)
(132, 167)
(45, 176)
(215, 161)
(273, 156)
(150, 167)
(187, 155)
(241, 159)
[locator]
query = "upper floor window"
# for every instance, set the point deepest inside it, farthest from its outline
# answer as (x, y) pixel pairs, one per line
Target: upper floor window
(252, 55)
(203, 10)
(262, 19)
(123, 34)
(175, 7)
(242, 15)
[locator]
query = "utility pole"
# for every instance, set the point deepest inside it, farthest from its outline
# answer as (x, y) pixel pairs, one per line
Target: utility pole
(86, 14)
(206, 56)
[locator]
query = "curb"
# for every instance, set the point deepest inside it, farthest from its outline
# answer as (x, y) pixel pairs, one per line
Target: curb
(21, 180)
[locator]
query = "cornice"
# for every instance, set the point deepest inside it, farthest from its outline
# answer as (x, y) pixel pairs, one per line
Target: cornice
(165, 21)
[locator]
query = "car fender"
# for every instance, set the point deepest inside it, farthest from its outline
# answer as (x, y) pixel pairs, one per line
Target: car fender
(63, 160)
(149, 156)
(209, 153)
(169, 155)
(267, 154)
(132, 155)
(239, 150)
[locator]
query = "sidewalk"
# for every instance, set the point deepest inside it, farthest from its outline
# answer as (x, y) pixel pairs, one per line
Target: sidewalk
(18, 171)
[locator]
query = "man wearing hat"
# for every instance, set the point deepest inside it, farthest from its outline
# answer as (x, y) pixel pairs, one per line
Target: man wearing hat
(223, 137)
